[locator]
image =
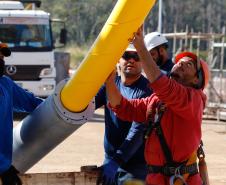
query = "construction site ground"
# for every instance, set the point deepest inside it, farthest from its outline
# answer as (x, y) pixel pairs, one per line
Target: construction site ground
(85, 147)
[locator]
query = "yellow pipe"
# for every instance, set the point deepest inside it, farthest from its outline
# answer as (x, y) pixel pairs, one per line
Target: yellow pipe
(124, 20)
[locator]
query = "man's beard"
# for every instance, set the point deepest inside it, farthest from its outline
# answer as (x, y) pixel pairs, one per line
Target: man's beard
(129, 74)
(2, 67)
(173, 75)
(160, 61)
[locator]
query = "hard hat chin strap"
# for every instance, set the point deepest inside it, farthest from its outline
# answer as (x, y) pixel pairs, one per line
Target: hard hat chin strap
(200, 83)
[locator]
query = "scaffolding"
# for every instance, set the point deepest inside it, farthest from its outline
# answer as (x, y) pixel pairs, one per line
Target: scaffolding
(211, 47)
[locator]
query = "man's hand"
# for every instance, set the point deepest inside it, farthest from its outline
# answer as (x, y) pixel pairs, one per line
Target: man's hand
(138, 40)
(151, 69)
(10, 177)
(114, 96)
(109, 171)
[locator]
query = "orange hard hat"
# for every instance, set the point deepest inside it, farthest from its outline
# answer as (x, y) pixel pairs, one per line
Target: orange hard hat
(202, 67)
(4, 49)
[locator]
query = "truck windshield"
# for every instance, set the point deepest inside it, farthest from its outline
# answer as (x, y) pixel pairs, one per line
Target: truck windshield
(26, 37)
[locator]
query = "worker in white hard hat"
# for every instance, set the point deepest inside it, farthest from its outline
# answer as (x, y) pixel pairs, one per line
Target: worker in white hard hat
(157, 45)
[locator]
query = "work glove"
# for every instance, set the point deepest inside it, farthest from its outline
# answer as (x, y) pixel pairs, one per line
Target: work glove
(10, 177)
(109, 171)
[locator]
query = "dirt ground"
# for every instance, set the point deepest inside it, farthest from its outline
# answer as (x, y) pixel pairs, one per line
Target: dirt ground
(85, 147)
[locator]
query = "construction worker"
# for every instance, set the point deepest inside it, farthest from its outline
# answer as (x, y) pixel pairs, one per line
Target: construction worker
(173, 114)
(12, 98)
(124, 141)
(157, 45)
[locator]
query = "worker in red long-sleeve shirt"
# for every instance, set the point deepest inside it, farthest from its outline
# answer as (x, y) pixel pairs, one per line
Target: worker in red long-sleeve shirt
(173, 114)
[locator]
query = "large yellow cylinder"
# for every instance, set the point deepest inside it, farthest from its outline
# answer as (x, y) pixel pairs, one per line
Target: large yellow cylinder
(124, 20)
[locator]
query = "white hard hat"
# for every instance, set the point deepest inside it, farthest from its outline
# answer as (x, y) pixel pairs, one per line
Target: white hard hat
(131, 48)
(154, 39)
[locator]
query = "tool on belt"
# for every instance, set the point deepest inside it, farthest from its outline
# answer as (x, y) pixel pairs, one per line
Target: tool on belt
(202, 165)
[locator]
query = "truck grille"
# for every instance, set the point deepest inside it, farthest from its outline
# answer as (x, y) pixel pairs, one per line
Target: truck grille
(24, 72)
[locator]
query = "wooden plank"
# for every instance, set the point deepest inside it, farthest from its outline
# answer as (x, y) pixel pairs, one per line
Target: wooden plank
(64, 178)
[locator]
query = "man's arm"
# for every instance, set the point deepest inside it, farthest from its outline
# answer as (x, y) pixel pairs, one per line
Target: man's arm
(24, 100)
(133, 141)
(151, 69)
(114, 96)
(100, 98)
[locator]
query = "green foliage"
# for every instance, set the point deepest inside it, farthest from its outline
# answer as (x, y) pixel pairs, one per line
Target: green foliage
(85, 18)
(77, 54)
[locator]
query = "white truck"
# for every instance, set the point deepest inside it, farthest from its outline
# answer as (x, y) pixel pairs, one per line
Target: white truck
(28, 34)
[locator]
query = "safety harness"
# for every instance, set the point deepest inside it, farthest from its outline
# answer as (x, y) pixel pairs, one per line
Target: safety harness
(172, 169)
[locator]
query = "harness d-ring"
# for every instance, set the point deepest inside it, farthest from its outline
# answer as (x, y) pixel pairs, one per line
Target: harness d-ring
(177, 175)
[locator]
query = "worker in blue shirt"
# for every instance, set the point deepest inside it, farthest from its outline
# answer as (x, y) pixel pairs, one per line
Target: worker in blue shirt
(124, 143)
(12, 98)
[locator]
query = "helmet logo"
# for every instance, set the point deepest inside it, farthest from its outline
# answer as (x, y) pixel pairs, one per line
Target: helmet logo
(11, 70)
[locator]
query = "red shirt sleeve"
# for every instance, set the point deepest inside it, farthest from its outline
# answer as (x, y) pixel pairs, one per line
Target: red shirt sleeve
(132, 110)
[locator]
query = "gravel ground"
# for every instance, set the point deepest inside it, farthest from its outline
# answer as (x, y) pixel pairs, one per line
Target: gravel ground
(85, 147)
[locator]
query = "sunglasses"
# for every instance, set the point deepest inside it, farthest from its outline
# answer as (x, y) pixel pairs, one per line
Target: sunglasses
(129, 55)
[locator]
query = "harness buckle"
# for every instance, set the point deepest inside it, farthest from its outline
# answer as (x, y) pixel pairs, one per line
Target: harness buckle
(171, 170)
(177, 171)
(177, 175)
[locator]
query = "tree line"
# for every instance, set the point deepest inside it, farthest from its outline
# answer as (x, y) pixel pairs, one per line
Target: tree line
(85, 18)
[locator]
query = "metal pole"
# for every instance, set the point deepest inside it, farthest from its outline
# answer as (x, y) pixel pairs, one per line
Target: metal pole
(191, 42)
(198, 44)
(222, 63)
(174, 40)
(186, 39)
(160, 17)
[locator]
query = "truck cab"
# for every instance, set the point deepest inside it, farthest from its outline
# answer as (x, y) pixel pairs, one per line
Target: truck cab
(29, 36)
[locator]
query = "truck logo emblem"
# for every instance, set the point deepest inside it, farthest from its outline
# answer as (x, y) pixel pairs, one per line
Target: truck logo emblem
(11, 70)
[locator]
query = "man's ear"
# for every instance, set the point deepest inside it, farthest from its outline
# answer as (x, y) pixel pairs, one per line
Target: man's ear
(161, 50)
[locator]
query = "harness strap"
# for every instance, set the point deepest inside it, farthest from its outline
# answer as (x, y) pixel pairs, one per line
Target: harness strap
(164, 146)
(191, 169)
(181, 172)
(154, 123)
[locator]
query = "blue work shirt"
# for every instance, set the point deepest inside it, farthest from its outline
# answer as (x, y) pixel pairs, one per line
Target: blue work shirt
(12, 98)
(167, 66)
(123, 140)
